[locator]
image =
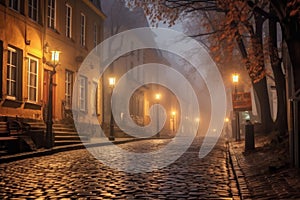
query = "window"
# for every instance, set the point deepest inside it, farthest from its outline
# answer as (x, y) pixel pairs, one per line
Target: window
(11, 80)
(32, 79)
(14, 4)
(94, 98)
(68, 21)
(14, 73)
(33, 9)
(82, 93)
(51, 13)
(95, 35)
(82, 29)
(68, 88)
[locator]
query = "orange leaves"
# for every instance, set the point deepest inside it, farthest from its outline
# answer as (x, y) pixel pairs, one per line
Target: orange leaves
(293, 9)
(229, 20)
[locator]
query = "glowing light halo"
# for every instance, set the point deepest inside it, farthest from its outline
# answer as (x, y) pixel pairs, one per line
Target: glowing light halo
(170, 41)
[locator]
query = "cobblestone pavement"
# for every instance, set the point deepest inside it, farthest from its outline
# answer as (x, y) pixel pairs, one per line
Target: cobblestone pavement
(77, 175)
(264, 173)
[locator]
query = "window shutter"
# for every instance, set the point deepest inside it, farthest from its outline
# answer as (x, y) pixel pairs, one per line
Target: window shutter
(19, 75)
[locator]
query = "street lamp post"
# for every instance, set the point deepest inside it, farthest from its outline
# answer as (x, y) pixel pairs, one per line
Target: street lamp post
(226, 128)
(112, 82)
(157, 98)
(235, 80)
(49, 122)
(173, 119)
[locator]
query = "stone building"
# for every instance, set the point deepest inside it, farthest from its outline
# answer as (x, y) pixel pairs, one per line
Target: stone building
(30, 30)
(120, 18)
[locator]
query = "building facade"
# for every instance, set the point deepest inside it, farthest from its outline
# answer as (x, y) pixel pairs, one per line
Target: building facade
(30, 30)
(120, 18)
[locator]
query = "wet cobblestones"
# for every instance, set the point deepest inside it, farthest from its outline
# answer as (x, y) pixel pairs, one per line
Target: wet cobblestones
(78, 175)
(257, 180)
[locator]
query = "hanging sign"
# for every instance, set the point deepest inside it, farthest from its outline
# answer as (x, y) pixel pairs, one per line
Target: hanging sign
(241, 101)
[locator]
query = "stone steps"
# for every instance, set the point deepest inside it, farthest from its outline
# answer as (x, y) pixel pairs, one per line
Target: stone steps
(66, 134)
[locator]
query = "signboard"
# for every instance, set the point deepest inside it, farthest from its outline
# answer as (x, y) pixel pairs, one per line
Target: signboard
(241, 101)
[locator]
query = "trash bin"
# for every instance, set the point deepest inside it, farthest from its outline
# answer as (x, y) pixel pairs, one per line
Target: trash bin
(249, 136)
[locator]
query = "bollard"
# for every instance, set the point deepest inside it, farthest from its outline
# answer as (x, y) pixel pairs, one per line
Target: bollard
(249, 136)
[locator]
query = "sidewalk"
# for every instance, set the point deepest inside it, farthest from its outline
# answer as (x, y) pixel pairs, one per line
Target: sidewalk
(264, 173)
(56, 149)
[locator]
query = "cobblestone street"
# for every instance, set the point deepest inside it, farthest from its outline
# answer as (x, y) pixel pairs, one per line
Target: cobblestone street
(77, 175)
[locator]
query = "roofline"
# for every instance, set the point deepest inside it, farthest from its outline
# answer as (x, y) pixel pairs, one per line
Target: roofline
(95, 9)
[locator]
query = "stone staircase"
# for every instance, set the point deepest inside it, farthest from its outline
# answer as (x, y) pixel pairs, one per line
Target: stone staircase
(37, 125)
(65, 134)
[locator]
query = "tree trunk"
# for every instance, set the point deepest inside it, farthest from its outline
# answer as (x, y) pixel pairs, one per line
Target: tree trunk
(261, 91)
(261, 87)
(293, 44)
(281, 120)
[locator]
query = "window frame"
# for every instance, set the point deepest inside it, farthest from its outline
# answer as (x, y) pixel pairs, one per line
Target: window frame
(12, 5)
(29, 73)
(9, 79)
(31, 8)
(82, 30)
(83, 93)
(50, 18)
(95, 35)
(69, 15)
(94, 98)
(69, 80)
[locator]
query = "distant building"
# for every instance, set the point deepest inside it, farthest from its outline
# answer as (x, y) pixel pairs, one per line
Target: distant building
(29, 31)
(119, 19)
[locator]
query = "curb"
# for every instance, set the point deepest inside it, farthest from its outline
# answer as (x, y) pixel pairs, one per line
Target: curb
(57, 149)
(243, 190)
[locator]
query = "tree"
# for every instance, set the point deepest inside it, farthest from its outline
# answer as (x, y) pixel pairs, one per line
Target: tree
(241, 14)
(237, 22)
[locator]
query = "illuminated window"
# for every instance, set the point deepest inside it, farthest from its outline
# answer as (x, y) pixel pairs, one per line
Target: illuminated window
(68, 87)
(14, 73)
(94, 99)
(32, 79)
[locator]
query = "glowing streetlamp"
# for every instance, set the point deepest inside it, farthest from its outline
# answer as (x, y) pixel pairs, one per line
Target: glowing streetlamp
(173, 120)
(226, 119)
(49, 123)
(235, 78)
(112, 83)
(55, 56)
(235, 81)
(157, 99)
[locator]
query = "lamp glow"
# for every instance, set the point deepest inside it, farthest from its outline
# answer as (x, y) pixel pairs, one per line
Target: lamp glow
(112, 81)
(235, 78)
(55, 56)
